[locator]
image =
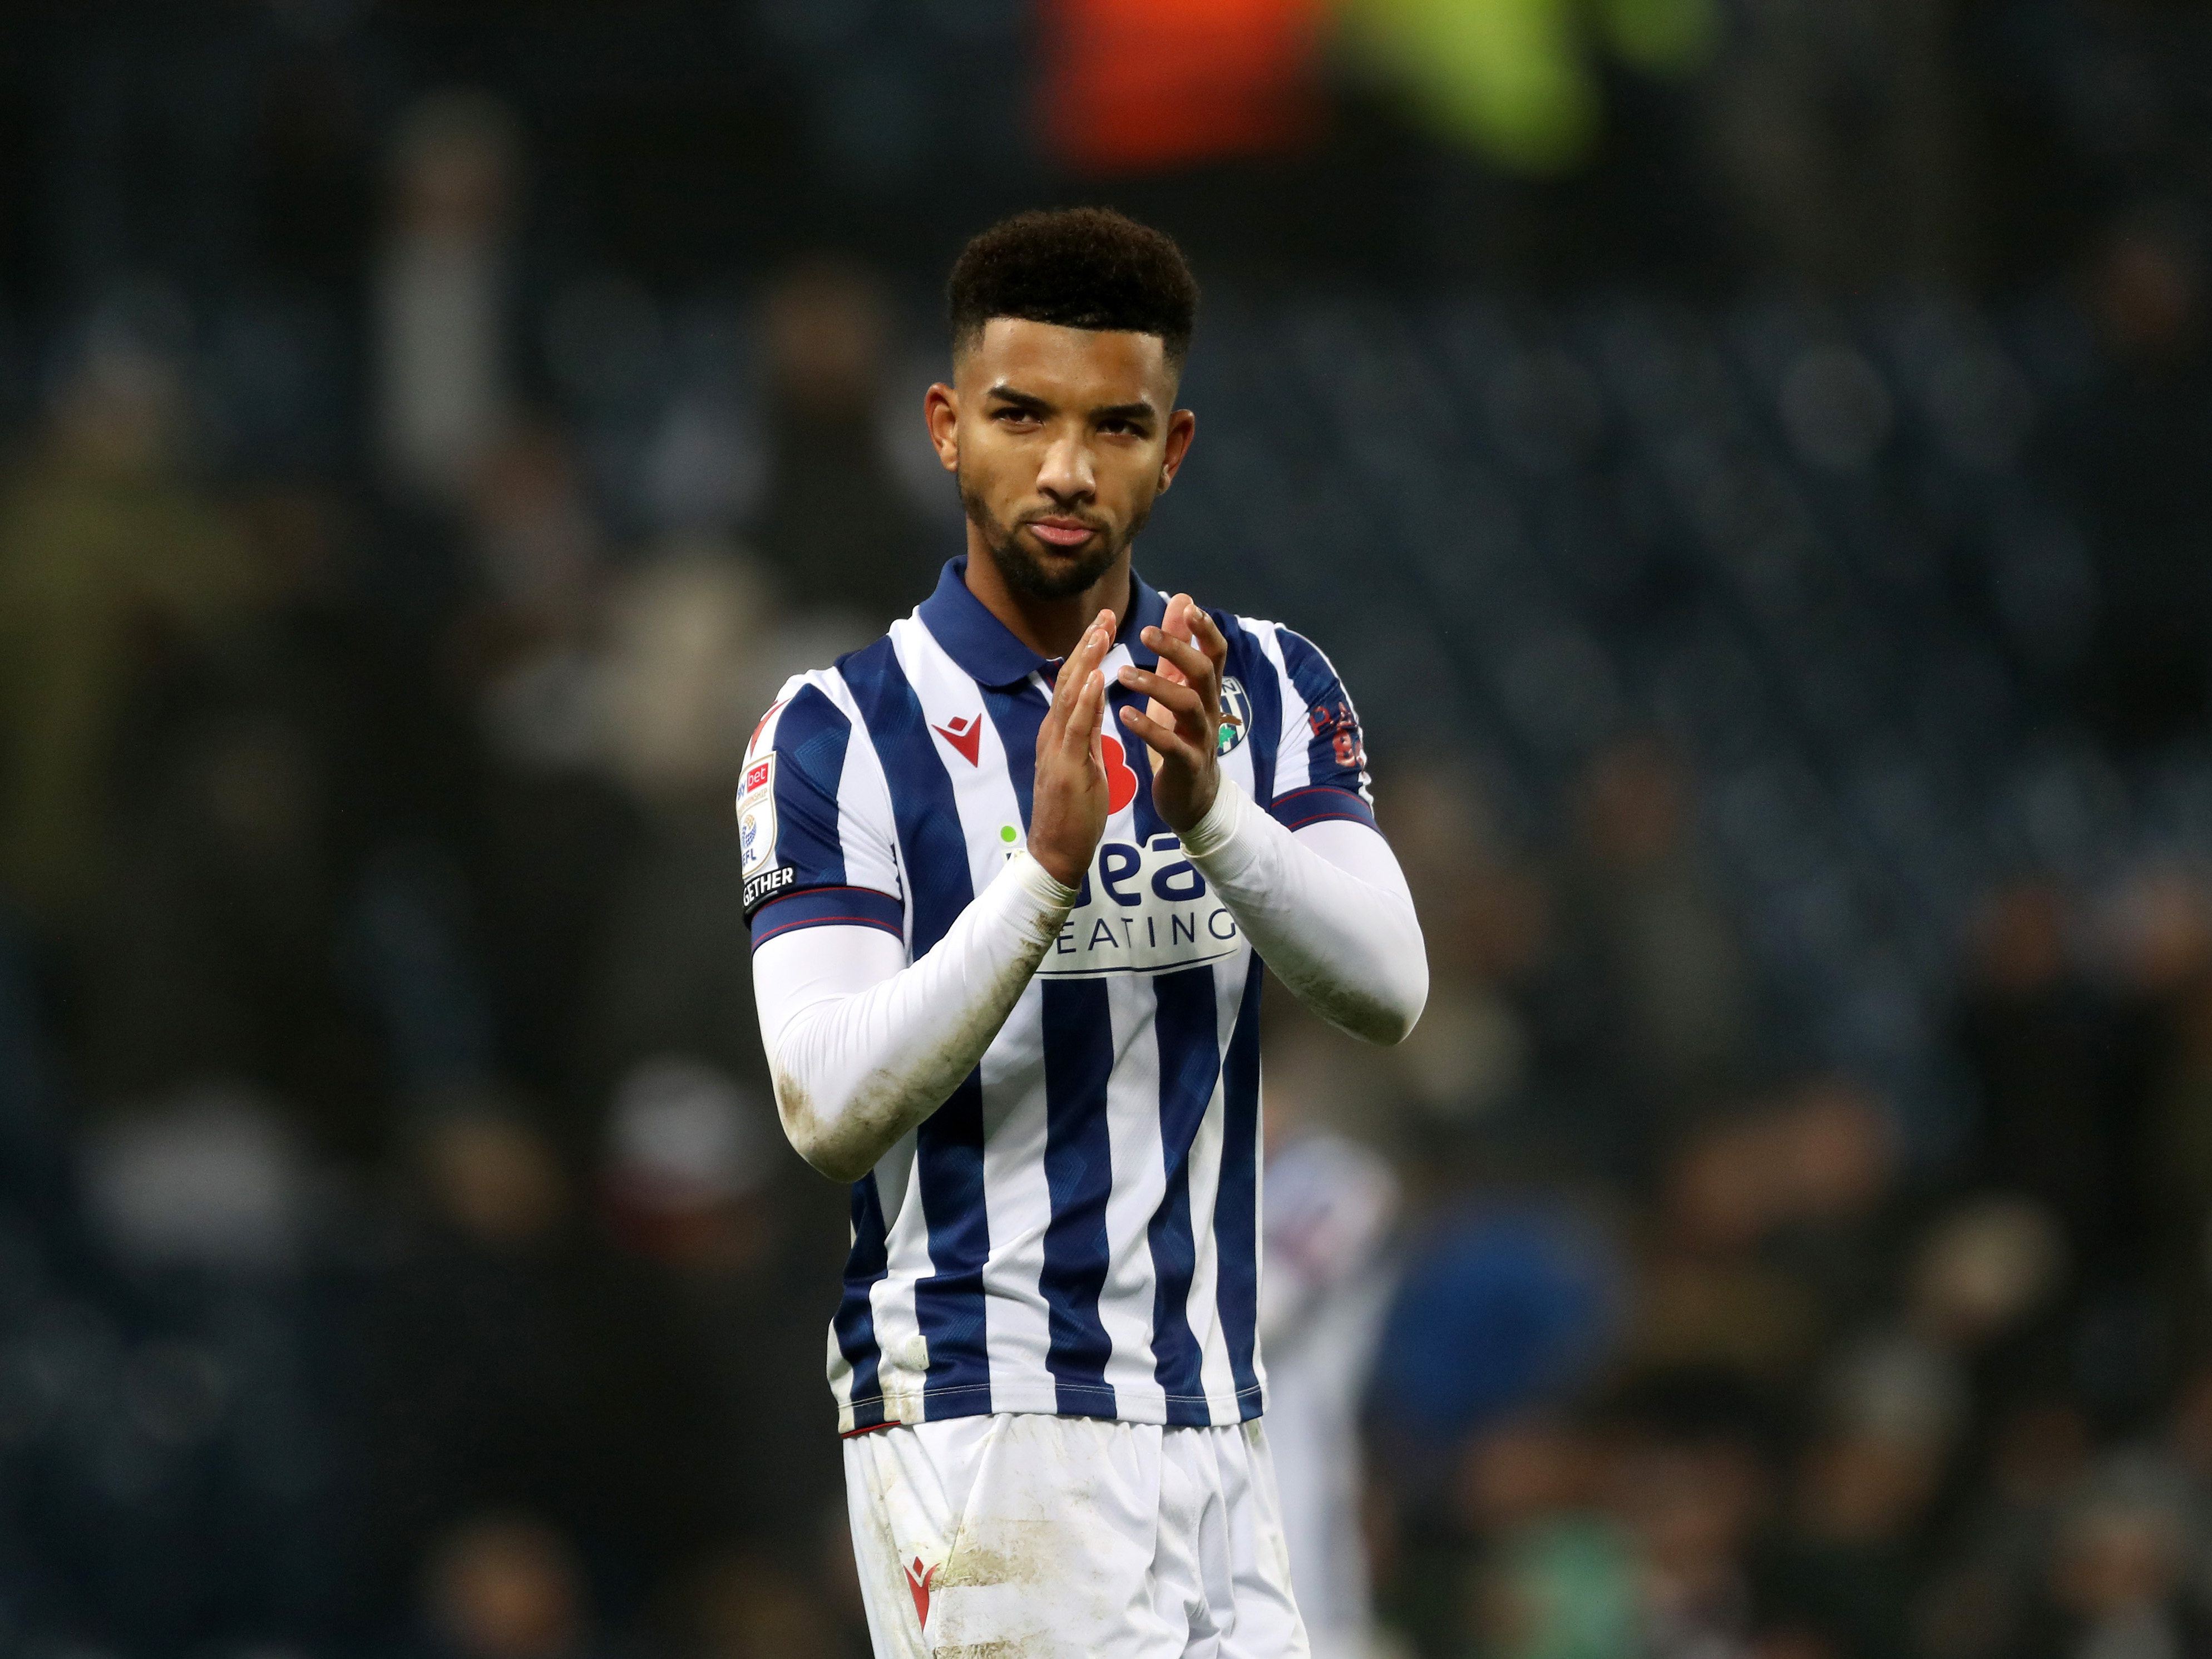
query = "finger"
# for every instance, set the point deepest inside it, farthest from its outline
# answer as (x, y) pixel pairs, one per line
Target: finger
(1207, 635)
(1095, 643)
(1089, 650)
(1195, 667)
(1169, 743)
(1086, 717)
(1174, 693)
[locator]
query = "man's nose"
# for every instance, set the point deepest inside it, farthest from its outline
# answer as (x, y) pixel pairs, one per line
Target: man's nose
(1066, 474)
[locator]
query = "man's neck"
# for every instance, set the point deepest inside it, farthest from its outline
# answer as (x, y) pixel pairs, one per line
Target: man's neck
(1051, 628)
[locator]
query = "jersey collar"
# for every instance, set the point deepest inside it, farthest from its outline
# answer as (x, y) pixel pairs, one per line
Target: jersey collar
(986, 648)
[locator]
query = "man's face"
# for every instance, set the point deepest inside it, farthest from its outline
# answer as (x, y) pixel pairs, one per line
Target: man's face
(1060, 439)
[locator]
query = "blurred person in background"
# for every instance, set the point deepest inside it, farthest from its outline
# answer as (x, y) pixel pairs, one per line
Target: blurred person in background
(512, 1359)
(756, 1607)
(2062, 1074)
(263, 773)
(1637, 898)
(689, 650)
(442, 300)
(693, 1183)
(1465, 1071)
(1710, 1297)
(113, 560)
(1982, 1591)
(1689, 1480)
(2117, 1583)
(1554, 1575)
(551, 830)
(838, 524)
(2134, 461)
(503, 1585)
(1331, 1208)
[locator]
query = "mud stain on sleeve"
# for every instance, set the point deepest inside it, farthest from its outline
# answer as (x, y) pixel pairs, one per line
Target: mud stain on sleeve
(843, 1138)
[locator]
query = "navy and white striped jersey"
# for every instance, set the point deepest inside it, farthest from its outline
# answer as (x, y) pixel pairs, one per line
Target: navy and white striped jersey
(1076, 1230)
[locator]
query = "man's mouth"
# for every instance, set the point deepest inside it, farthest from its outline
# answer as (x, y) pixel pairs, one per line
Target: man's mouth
(1061, 532)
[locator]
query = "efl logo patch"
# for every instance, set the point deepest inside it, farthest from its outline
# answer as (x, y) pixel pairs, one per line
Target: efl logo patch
(757, 819)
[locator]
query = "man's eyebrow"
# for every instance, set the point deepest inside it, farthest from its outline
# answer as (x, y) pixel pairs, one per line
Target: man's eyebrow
(1026, 399)
(1140, 410)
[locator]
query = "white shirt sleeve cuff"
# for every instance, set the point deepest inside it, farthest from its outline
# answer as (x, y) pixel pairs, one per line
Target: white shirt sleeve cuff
(1039, 883)
(1220, 824)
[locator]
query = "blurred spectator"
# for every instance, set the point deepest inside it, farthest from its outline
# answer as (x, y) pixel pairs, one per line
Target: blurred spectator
(2134, 458)
(511, 1361)
(698, 1181)
(502, 1586)
(1557, 1574)
(1689, 1480)
(1709, 1297)
(1836, 128)
(1485, 916)
(1659, 927)
(1507, 1305)
(1331, 1207)
(838, 525)
(552, 831)
(442, 295)
(1981, 1601)
(747, 1606)
(2117, 1582)
(2062, 1076)
(110, 560)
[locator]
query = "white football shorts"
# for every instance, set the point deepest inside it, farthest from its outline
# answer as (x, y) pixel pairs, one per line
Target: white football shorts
(1069, 1538)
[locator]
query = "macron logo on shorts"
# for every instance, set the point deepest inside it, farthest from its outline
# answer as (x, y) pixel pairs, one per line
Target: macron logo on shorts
(919, 1582)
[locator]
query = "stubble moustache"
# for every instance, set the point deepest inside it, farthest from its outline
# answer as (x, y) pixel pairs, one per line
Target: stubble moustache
(1023, 571)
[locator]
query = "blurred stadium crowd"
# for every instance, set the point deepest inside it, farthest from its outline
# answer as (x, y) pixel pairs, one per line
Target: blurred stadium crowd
(1752, 462)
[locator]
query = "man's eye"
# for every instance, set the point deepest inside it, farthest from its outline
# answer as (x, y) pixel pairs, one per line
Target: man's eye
(1016, 417)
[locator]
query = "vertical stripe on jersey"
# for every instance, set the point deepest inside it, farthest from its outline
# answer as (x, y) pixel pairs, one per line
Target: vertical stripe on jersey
(1189, 1033)
(810, 747)
(1318, 687)
(1145, 821)
(1079, 1162)
(949, 1305)
(1237, 1210)
(1017, 714)
(855, 1323)
(1263, 688)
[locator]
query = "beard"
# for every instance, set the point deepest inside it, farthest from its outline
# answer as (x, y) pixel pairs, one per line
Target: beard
(1025, 572)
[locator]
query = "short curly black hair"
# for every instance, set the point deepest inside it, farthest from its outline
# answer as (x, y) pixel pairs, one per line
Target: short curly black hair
(1079, 268)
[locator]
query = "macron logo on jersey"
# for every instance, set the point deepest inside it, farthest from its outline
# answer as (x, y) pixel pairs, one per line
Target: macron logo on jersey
(966, 736)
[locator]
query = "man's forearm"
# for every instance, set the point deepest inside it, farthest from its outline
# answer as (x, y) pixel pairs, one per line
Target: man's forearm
(862, 1049)
(1326, 909)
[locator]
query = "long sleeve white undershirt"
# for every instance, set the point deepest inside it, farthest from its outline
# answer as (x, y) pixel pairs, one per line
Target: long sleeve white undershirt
(863, 1046)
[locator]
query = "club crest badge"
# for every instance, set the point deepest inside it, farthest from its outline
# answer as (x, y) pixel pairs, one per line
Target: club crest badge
(1236, 715)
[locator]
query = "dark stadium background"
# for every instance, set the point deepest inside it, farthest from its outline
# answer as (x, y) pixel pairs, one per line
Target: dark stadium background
(1752, 460)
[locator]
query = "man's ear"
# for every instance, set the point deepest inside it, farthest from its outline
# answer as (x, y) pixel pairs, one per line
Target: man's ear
(1182, 427)
(940, 412)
